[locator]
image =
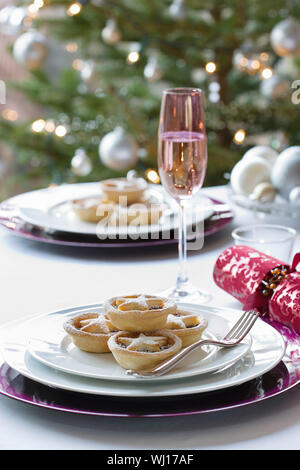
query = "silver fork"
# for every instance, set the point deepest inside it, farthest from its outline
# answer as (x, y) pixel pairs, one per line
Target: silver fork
(237, 333)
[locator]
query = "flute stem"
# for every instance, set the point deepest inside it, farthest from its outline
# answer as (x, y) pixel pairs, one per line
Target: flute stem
(182, 277)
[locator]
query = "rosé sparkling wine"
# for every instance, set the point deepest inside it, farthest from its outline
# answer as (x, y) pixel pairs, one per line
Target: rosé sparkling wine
(182, 162)
(182, 157)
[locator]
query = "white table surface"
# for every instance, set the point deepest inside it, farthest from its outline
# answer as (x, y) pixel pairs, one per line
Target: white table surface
(37, 278)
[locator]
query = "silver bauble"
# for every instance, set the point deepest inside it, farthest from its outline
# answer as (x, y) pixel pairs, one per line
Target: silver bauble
(275, 87)
(118, 151)
(30, 49)
(111, 33)
(285, 174)
(152, 71)
(285, 38)
(81, 164)
(36, 51)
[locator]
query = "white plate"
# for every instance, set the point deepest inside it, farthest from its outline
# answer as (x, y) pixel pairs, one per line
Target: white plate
(54, 348)
(266, 352)
(51, 209)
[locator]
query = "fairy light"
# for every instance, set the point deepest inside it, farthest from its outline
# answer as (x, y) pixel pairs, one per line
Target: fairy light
(214, 97)
(50, 126)
(10, 114)
(264, 56)
(210, 67)
(255, 64)
(28, 22)
(252, 63)
(152, 176)
(244, 62)
(267, 73)
(32, 10)
(38, 125)
(74, 9)
(239, 136)
(61, 131)
(71, 47)
(78, 64)
(133, 57)
(39, 3)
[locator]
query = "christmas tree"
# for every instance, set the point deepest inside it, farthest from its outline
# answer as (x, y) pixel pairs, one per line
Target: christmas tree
(97, 68)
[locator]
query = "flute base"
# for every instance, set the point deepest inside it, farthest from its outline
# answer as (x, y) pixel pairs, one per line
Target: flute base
(187, 292)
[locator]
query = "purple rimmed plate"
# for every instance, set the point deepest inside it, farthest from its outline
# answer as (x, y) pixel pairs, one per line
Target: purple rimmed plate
(284, 376)
(16, 226)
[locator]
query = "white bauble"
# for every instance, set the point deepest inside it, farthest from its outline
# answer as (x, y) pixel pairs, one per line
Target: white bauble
(285, 174)
(275, 87)
(294, 195)
(118, 151)
(30, 49)
(285, 38)
(111, 33)
(262, 151)
(247, 174)
(81, 164)
(263, 192)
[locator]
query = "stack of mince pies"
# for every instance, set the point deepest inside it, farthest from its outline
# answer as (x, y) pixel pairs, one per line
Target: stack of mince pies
(120, 202)
(141, 331)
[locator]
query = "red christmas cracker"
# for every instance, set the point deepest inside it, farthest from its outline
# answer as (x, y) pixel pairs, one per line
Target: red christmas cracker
(260, 281)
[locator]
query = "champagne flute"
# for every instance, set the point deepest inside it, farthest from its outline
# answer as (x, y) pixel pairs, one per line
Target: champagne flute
(182, 157)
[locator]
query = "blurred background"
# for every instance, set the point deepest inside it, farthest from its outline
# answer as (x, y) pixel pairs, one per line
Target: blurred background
(81, 83)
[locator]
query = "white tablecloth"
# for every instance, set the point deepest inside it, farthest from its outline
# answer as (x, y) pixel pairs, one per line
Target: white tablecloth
(37, 278)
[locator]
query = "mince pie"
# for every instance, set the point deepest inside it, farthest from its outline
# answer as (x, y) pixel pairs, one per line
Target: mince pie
(90, 331)
(188, 326)
(139, 351)
(93, 209)
(139, 313)
(141, 213)
(124, 191)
